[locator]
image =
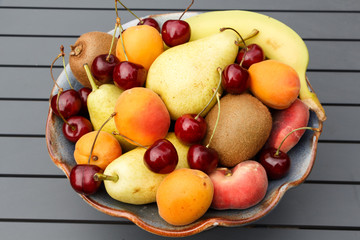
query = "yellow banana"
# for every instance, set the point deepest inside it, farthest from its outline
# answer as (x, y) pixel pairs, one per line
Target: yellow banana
(278, 41)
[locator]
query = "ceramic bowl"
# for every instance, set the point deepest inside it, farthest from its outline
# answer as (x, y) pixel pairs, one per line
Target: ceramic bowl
(146, 216)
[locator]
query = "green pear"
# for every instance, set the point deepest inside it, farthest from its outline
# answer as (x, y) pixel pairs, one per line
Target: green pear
(136, 184)
(101, 104)
(185, 76)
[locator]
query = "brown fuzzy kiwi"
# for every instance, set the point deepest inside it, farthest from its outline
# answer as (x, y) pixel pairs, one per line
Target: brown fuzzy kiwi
(244, 126)
(86, 48)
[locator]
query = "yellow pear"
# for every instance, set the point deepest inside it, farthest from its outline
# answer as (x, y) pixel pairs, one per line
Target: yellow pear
(136, 184)
(101, 104)
(185, 76)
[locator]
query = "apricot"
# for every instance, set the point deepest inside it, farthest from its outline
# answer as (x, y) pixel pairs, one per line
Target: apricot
(141, 116)
(274, 83)
(106, 149)
(143, 44)
(184, 196)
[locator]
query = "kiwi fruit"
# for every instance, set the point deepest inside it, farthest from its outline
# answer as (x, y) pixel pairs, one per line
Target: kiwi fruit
(244, 126)
(86, 48)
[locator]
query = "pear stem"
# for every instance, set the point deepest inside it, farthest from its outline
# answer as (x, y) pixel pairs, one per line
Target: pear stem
(192, 2)
(136, 143)
(102, 177)
(215, 93)
(97, 134)
(287, 135)
(90, 77)
(242, 40)
(218, 116)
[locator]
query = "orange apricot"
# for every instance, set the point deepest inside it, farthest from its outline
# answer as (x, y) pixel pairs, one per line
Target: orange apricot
(184, 196)
(274, 83)
(141, 116)
(106, 149)
(143, 44)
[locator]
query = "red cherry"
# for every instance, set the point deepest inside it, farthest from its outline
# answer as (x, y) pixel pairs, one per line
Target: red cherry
(69, 103)
(235, 79)
(150, 22)
(175, 32)
(189, 129)
(102, 67)
(253, 55)
(76, 127)
(161, 157)
(82, 178)
(84, 93)
(127, 75)
(276, 166)
(202, 158)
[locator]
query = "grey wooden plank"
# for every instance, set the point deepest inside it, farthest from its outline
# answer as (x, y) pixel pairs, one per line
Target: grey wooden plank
(319, 205)
(29, 117)
(335, 5)
(43, 50)
(71, 22)
(60, 231)
(308, 204)
(26, 156)
(336, 87)
(336, 162)
(27, 83)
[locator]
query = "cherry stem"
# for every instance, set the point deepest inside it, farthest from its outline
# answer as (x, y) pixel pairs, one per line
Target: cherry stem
(242, 40)
(122, 42)
(192, 2)
(215, 93)
(102, 177)
(117, 24)
(136, 143)
(64, 65)
(130, 11)
(90, 77)
(97, 134)
(51, 70)
(218, 116)
(297, 129)
(252, 34)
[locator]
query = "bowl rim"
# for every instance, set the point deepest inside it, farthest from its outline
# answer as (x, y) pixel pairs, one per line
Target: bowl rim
(201, 224)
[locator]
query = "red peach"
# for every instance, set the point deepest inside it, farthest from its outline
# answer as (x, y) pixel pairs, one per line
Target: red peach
(242, 187)
(141, 116)
(284, 121)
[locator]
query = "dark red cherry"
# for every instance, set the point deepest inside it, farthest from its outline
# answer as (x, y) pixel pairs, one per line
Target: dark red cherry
(102, 67)
(82, 178)
(253, 55)
(276, 166)
(175, 32)
(150, 22)
(161, 157)
(235, 79)
(127, 75)
(189, 129)
(76, 127)
(69, 103)
(84, 93)
(202, 158)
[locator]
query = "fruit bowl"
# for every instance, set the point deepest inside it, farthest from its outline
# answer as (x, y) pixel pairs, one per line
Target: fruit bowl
(146, 216)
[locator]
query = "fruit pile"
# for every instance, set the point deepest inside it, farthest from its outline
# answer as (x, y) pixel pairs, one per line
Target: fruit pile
(191, 116)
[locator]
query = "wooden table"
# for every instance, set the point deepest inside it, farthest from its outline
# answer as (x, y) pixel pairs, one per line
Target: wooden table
(37, 201)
